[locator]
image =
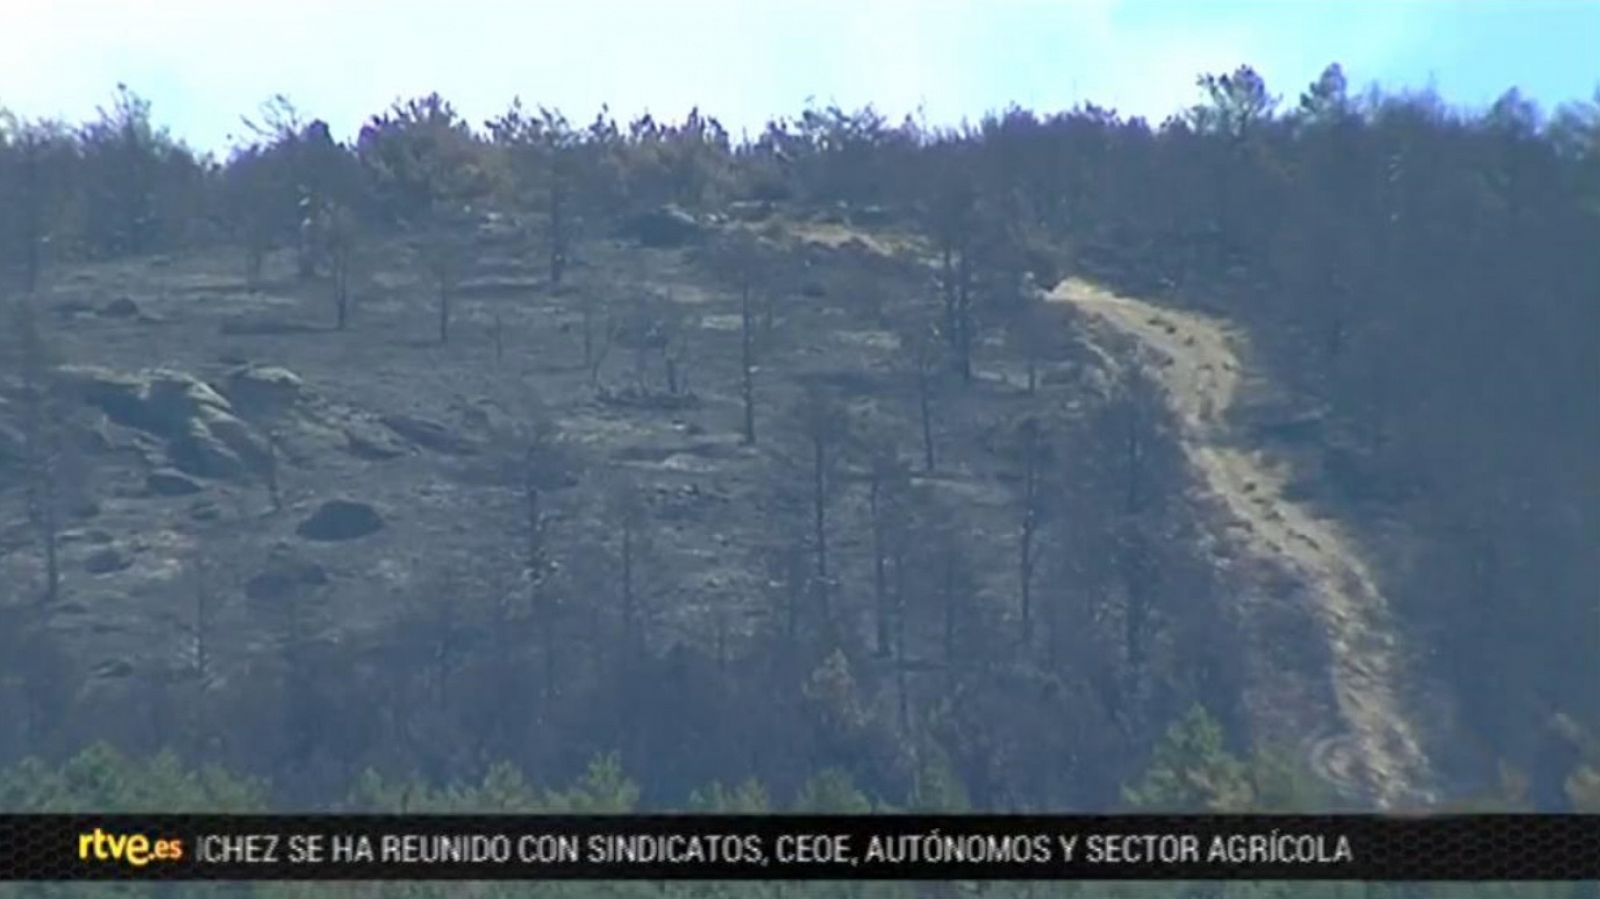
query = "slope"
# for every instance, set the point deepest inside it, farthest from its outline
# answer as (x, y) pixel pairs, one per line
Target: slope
(1380, 753)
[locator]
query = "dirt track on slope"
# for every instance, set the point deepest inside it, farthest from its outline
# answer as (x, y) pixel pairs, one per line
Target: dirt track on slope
(1376, 751)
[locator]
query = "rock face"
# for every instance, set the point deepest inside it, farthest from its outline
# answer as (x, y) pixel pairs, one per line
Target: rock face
(201, 453)
(669, 226)
(121, 307)
(429, 434)
(283, 576)
(366, 441)
(264, 390)
(341, 519)
(106, 560)
(750, 210)
(113, 669)
(166, 482)
(204, 437)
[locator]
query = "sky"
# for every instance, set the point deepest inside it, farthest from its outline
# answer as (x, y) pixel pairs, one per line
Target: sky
(205, 63)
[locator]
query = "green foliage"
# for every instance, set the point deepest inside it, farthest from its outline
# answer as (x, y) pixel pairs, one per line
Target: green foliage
(1239, 101)
(604, 789)
(101, 779)
(1327, 100)
(423, 163)
(831, 689)
(937, 788)
(748, 798)
(1192, 770)
(141, 190)
(1583, 788)
(503, 788)
(1281, 782)
(834, 792)
(686, 163)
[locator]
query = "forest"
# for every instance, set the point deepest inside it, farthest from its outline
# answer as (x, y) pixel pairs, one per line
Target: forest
(569, 464)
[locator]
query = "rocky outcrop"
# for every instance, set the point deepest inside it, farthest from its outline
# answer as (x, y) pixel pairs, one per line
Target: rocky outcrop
(166, 482)
(121, 307)
(750, 210)
(284, 575)
(341, 519)
(203, 435)
(370, 441)
(106, 560)
(429, 435)
(264, 390)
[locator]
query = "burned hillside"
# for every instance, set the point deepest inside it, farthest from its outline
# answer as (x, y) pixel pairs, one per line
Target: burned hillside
(975, 457)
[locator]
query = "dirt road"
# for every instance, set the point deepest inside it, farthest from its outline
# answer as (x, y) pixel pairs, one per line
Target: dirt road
(1376, 751)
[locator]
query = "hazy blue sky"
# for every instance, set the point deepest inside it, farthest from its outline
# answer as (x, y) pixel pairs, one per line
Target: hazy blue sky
(203, 63)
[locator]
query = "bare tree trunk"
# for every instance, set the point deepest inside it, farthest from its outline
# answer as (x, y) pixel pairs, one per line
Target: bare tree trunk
(947, 290)
(629, 616)
(254, 262)
(558, 224)
(50, 534)
(747, 366)
(641, 367)
(273, 494)
(901, 674)
(42, 443)
(722, 640)
(1026, 576)
(341, 290)
(305, 250)
(201, 626)
(538, 598)
(32, 218)
(819, 532)
(444, 314)
(1138, 575)
(599, 360)
(588, 330)
(1030, 527)
(794, 591)
(902, 688)
(1134, 455)
(965, 326)
(949, 635)
(880, 587)
(299, 725)
(1054, 613)
(925, 409)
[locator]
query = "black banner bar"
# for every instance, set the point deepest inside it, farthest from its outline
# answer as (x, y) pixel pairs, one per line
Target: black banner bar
(799, 847)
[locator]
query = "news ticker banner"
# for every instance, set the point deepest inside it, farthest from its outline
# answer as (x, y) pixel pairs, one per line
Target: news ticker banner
(803, 847)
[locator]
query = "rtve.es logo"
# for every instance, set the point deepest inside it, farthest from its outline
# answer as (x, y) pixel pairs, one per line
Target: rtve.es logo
(134, 849)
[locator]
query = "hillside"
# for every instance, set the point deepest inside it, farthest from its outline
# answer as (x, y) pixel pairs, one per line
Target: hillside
(1015, 467)
(179, 546)
(427, 436)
